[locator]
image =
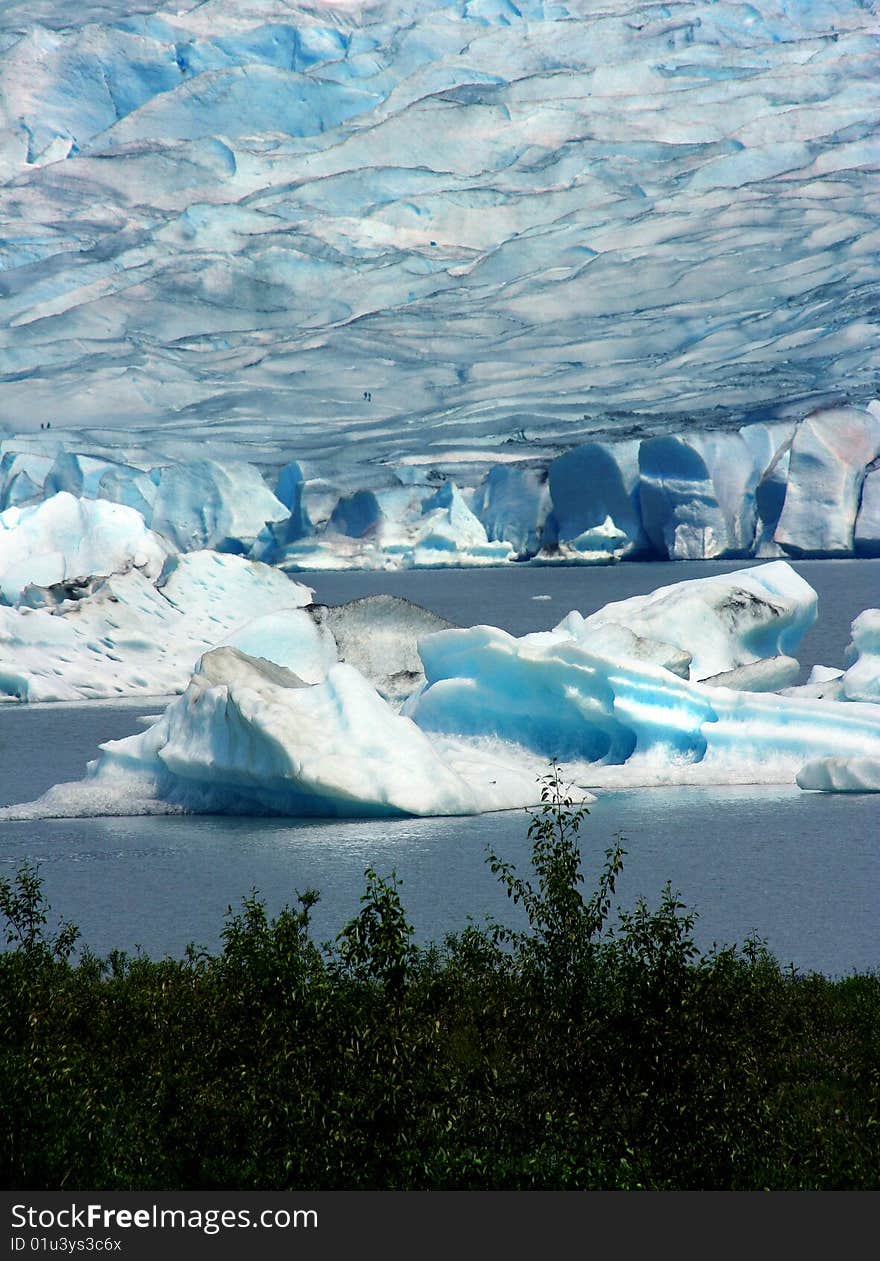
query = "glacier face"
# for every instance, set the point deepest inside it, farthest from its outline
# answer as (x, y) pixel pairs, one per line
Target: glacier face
(373, 233)
(801, 488)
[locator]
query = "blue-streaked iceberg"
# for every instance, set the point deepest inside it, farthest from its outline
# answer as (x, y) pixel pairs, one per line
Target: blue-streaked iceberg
(614, 703)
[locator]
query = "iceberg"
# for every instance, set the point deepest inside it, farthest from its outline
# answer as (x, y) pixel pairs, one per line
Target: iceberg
(841, 775)
(379, 636)
(250, 737)
(861, 682)
(297, 731)
(624, 721)
(63, 537)
(127, 635)
(723, 622)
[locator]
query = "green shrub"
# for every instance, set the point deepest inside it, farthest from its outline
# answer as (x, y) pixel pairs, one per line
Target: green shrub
(585, 1050)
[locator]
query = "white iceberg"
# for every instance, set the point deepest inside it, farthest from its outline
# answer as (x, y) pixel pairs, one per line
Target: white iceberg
(861, 682)
(379, 636)
(841, 775)
(129, 636)
(723, 622)
(64, 537)
(250, 737)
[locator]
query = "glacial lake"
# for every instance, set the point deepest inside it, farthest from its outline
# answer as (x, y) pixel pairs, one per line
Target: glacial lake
(801, 870)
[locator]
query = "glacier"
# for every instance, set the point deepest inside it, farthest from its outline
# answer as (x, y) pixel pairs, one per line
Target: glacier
(274, 721)
(370, 236)
(805, 488)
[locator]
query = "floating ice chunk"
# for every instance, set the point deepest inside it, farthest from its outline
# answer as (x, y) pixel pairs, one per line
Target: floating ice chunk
(208, 504)
(595, 495)
(829, 456)
(250, 737)
(697, 495)
(633, 721)
(841, 775)
(64, 537)
(824, 684)
(824, 674)
(292, 639)
(726, 621)
(379, 635)
(861, 682)
(214, 588)
(124, 637)
(512, 504)
(613, 640)
(769, 675)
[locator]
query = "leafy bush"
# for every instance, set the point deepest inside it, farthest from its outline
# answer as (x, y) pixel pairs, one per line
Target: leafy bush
(583, 1051)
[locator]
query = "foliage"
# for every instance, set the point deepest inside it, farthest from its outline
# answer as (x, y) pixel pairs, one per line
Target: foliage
(585, 1050)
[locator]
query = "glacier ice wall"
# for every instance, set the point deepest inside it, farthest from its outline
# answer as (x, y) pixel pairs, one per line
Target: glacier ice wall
(361, 233)
(803, 488)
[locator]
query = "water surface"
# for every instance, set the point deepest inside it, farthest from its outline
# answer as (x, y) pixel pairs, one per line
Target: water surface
(799, 869)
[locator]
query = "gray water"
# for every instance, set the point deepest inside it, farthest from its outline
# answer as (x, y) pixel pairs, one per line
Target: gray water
(801, 870)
